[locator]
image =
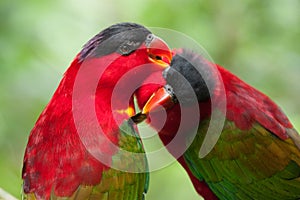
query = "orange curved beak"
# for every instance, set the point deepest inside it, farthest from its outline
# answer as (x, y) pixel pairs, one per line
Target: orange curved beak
(159, 52)
(160, 100)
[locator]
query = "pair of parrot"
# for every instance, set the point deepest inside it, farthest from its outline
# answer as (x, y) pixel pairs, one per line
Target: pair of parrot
(84, 143)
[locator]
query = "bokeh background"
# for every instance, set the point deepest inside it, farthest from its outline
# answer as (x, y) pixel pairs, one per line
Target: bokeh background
(257, 40)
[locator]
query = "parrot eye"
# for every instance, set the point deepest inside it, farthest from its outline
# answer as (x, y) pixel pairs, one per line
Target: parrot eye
(127, 47)
(149, 39)
(124, 49)
(169, 89)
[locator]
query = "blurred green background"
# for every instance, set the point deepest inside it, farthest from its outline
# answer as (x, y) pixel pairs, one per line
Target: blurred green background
(257, 40)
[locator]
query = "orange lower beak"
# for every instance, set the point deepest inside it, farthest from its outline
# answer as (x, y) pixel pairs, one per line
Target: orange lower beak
(161, 99)
(159, 52)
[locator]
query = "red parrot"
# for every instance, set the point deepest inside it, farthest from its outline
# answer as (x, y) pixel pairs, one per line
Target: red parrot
(73, 151)
(257, 155)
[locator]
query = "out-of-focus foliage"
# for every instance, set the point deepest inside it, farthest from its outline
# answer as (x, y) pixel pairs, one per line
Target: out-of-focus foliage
(258, 40)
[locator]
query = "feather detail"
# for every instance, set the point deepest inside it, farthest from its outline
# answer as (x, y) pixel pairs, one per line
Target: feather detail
(246, 105)
(270, 168)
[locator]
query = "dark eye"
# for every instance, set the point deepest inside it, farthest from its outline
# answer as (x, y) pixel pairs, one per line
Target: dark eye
(149, 38)
(124, 49)
(127, 47)
(169, 89)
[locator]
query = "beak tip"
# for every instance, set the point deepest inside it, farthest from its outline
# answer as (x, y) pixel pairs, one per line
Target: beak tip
(138, 118)
(161, 99)
(158, 48)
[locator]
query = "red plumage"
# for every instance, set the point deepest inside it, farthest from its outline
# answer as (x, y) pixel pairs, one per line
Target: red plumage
(61, 149)
(54, 149)
(246, 105)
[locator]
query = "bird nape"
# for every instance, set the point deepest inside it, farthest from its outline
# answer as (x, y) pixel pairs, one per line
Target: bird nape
(73, 150)
(257, 155)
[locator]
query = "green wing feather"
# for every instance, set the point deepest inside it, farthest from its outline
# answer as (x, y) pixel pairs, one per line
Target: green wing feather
(116, 184)
(247, 164)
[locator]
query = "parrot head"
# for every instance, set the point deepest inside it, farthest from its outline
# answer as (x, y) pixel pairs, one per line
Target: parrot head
(189, 80)
(123, 47)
